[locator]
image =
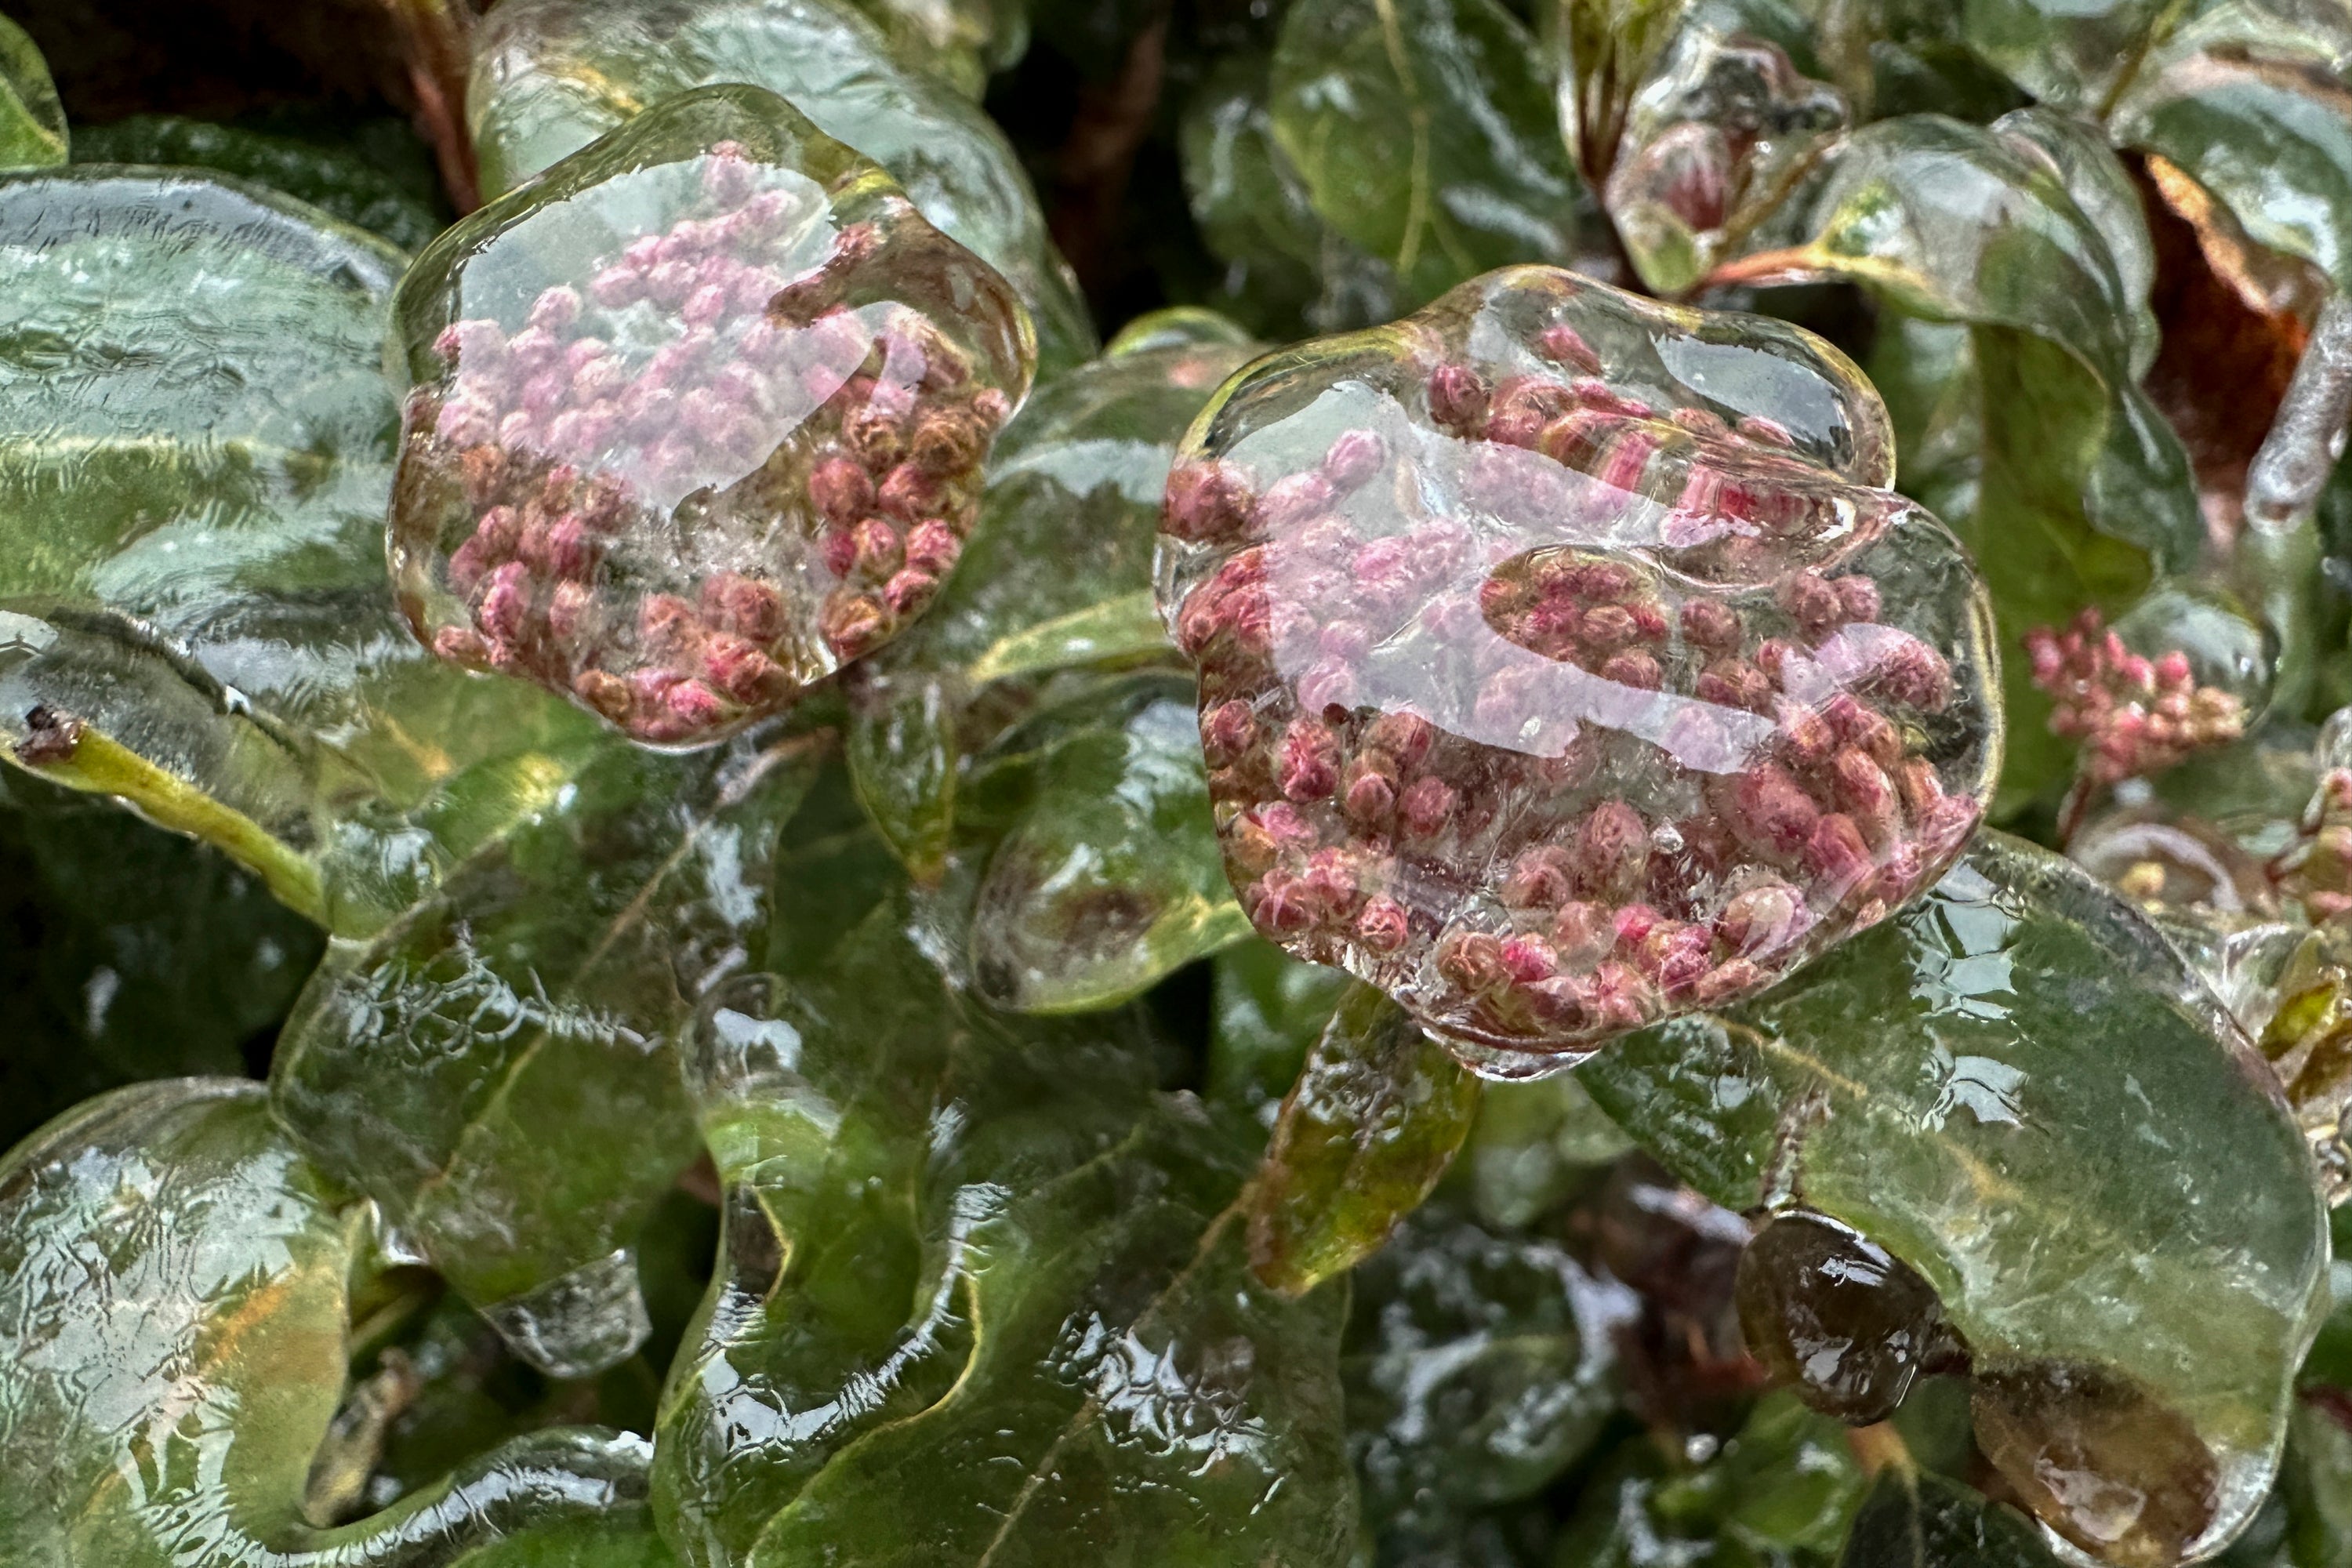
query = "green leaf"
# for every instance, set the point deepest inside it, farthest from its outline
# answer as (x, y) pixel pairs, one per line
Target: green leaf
(982, 1297)
(1422, 130)
(1114, 632)
(32, 123)
(195, 444)
(496, 1067)
(1479, 1366)
(183, 1429)
(127, 954)
(1367, 1130)
(2017, 1088)
(1915, 1521)
(2072, 54)
(1288, 272)
(1109, 877)
(2257, 111)
(1533, 1145)
(335, 180)
(1780, 1492)
(2080, 491)
(552, 76)
(1269, 1010)
(1894, 58)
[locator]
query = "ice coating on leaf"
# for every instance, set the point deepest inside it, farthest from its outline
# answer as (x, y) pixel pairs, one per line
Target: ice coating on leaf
(1562, 663)
(172, 1346)
(981, 1296)
(495, 1067)
(32, 123)
(700, 415)
(552, 76)
(2018, 1089)
(1480, 1364)
(1711, 146)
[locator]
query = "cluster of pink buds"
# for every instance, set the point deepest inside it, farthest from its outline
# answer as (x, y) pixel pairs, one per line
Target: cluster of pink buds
(2136, 716)
(729, 458)
(1553, 710)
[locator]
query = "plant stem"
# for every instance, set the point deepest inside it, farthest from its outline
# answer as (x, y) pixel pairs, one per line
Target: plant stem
(437, 35)
(2278, 550)
(67, 751)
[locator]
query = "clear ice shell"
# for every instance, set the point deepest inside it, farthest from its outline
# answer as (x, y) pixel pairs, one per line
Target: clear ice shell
(552, 76)
(698, 417)
(1565, 663)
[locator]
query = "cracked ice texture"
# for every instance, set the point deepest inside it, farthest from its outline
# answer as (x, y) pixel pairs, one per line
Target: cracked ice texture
(699, 416)
(1566, 663)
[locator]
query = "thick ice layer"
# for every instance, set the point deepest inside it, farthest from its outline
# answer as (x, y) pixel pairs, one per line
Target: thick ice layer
(1564, 663)
(701, 417)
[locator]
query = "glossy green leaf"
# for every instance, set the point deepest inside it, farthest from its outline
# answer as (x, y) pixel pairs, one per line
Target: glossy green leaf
(1288, 272)
(32, 123)
(1057, 576)
(1780, 1492)
(182, 1429)
(1422, 130)
(1109, 877)
(2072, 54)
(1915, 1521)
(528, 1006)
(196, 439)
(2257, 109)
(982, 1297)
(335, 180)
(1894, 58)
(2018, 1089)
(552, 76)
(1478, 1366)
(2080, 490)
(1533, 1145)
(1269, 1010)
(127, 954)
(1372, 1122)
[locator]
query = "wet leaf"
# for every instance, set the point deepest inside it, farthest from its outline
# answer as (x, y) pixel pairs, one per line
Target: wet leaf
(194, 454)
(184, 1430)
(1372, 1122)
(1605, 51)
(1269, 1011)
(2017, 1089)
(496, 1068)
(335, 180)
(32, 123)
(2080, 490)
(2249, 99)
(1917, 1520)
(1287, 270)
(1780, 1492)
(552, 76)
(1108, 878)
(1422, 130)
(983, 1297)
(1893, 58)
(1533, 1145)
(2072, 54)
(1479, 1366)
(126, 953)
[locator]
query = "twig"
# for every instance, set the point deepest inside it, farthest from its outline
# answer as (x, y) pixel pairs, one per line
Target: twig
(436, 38)
(2283, 483)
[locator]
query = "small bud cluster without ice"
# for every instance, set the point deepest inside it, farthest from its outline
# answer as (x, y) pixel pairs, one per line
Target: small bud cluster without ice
(1565, 662)
(701, 417)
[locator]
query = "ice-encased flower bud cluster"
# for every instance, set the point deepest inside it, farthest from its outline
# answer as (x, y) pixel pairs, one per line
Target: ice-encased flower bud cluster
(1564, 662)
(736, 449)
(2135, 715)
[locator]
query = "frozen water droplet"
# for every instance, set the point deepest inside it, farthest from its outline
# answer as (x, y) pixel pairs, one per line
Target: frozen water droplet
(579, 1323)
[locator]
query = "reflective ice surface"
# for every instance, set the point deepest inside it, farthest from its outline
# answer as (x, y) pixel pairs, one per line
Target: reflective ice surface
(1563, 663)
(700, 416)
